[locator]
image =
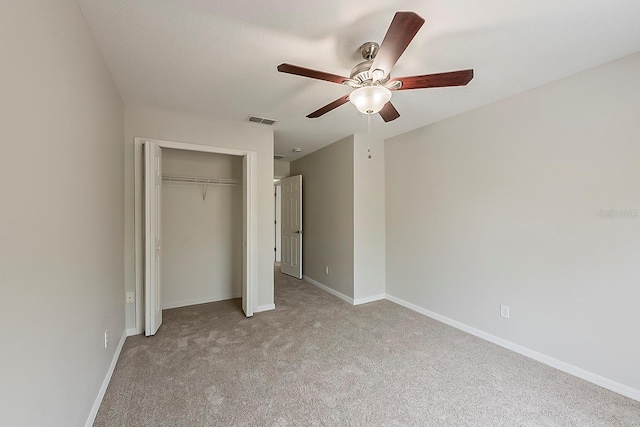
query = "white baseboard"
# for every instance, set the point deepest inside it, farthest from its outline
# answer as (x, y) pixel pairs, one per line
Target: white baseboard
(132, 331)
(105, 383)
(266, 307)
(369, 299)
(333, 292)
(342, 296)
(197, 301)
(542, 358)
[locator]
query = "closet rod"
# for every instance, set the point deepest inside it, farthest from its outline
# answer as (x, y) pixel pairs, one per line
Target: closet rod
(201, 180)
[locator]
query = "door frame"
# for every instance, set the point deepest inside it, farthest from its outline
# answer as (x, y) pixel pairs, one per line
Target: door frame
(277, 190)
(250, 226)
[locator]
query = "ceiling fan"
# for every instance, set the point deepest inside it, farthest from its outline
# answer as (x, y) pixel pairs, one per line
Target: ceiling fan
(371, 79)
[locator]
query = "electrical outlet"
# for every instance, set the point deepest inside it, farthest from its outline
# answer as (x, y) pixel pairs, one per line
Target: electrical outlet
(106, 338)
(130, 297)
(326, 270)
(504, 311)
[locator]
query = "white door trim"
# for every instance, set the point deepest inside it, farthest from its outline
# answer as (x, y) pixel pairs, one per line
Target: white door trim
(251, 204)
(277, 189)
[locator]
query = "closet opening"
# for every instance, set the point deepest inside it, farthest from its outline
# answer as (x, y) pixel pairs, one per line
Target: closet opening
(202, 225)
(199, 224)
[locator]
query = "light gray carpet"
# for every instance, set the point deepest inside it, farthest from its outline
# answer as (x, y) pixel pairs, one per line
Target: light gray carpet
(316, 360)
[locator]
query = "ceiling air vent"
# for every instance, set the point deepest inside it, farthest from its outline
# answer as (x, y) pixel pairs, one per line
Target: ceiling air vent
(261, 120)
(278, 156)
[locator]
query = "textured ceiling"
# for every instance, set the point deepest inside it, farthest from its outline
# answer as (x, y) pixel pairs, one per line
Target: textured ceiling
(218, 58)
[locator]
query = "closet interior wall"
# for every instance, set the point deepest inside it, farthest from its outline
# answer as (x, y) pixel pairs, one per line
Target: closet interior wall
(202, 229)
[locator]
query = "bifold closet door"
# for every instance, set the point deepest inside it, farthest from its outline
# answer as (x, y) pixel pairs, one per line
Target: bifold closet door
(153, 237)
(248, 228)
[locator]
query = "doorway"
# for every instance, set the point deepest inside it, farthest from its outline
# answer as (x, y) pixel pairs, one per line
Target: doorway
(148, 310)
(202, 228)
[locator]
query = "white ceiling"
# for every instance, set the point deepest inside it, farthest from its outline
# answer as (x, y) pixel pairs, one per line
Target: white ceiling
(218, 58)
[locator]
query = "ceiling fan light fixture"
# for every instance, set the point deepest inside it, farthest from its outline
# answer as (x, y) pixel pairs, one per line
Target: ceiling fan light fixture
(370, 99)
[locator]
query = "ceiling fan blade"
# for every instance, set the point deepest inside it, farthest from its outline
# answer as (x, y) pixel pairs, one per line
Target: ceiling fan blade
(403, 28)
(452, 78)
(312, 74)
(335, 104)
(389, 112)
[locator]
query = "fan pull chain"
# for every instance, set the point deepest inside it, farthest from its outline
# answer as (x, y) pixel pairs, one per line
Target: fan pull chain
(369, 136)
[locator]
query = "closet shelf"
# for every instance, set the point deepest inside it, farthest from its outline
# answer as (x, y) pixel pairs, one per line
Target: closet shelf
(201, 180)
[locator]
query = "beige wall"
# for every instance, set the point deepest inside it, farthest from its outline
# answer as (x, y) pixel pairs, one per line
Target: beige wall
(281, 169)
(327, 203)
(344, 217)
(61, 221)
(200, 164)
(164, 125)
(368, 219)
(501, 205)
(202, 229)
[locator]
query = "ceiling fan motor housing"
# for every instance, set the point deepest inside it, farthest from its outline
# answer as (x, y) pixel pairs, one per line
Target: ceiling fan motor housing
(362, 73)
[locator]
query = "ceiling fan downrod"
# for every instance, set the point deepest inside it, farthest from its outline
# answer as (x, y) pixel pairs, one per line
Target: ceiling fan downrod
(369, 50)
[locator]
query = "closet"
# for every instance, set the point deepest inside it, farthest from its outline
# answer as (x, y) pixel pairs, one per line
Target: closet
(202, 225)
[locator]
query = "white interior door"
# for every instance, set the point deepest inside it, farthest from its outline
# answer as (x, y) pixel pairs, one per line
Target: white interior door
(153, 241)
(291, 263)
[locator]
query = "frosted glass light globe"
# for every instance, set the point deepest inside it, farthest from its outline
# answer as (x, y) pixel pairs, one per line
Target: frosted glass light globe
(370, 99)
